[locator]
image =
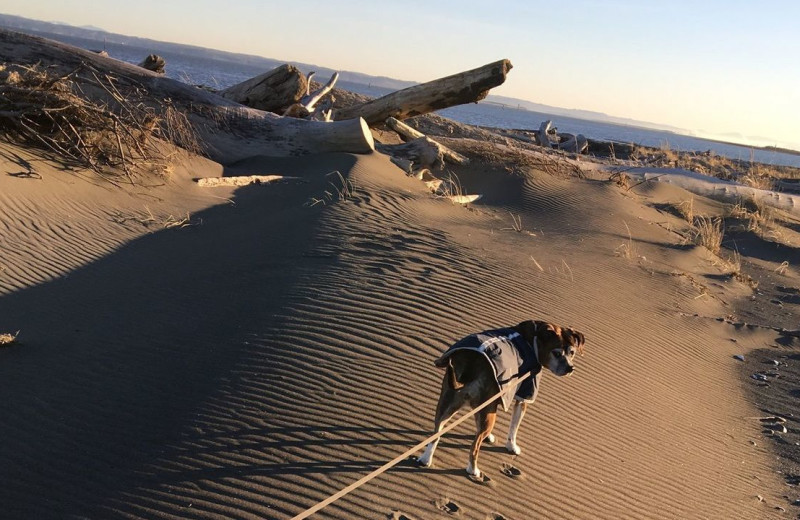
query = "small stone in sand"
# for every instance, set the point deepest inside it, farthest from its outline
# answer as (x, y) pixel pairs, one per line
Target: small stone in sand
(739, 357)
(8, 339)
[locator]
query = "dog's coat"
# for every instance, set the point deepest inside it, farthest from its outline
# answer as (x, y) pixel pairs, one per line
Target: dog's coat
(510, 356)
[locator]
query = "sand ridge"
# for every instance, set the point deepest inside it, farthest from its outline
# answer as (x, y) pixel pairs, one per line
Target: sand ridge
(254, 364)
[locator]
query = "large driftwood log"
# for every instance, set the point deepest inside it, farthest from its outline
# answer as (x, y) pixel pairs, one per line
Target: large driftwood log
(272, 91)
(715, 188)
(466, 87)
(411, 133)
(228, 130)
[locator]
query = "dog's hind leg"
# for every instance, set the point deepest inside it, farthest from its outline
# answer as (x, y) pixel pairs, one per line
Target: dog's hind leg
(449, 403)
(484, 422)
(516, 420)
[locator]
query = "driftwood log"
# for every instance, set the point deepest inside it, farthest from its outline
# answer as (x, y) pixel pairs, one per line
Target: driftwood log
(466, 87)
(228, 130)
(421, 153)
(715, 188)
(547, 134)
(310, 100)
(411, 133)
(307, 106)
(573, 143)
(272, 91)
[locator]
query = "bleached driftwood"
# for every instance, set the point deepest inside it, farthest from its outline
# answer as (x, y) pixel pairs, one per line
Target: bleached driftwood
(412, 133)
(422, 152)
(715, 188)
(574, 143)
(306, 107)
(465, 87)
(309, 101)
(448, 188)
(153, 62)
(464, 199)
(228, 130)
(242, 180)
(544, 134)
(272, 91)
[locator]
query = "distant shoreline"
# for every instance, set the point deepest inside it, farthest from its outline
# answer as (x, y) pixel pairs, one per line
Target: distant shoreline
(776, 149)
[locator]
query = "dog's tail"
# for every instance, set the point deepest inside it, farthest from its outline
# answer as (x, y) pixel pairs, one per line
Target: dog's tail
(446, 362)
(455, 384)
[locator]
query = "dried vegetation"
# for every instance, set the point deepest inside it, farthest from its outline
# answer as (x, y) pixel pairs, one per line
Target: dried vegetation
(121, 139)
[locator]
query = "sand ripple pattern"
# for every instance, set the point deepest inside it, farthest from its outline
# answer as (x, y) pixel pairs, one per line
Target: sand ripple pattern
(272, 369)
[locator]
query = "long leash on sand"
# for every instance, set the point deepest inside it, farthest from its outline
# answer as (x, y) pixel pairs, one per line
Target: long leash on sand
(403, 456)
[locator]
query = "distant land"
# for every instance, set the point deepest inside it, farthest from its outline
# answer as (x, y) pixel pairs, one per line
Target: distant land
(376, 85)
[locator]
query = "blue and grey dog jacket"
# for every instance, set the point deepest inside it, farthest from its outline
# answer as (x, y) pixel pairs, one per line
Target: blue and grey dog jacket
(510, 356)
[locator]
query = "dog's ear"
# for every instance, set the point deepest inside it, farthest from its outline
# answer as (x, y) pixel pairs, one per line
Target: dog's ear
(579, 337)
(547, 331)
(528, 330)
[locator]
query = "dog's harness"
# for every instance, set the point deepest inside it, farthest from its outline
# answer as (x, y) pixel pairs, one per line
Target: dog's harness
(510, 357)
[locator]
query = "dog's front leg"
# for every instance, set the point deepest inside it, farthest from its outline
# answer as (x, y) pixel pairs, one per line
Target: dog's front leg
(516, 420)
(484, 422)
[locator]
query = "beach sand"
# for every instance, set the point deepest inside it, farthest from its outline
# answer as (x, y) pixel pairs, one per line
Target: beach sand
(245, 353)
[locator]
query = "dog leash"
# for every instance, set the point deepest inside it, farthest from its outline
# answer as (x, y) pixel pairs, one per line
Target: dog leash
(403, 456)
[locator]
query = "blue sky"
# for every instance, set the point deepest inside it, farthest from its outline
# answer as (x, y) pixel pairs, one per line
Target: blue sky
(712, 66)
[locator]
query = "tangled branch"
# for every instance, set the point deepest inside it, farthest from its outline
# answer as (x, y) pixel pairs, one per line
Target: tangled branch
(121, 136)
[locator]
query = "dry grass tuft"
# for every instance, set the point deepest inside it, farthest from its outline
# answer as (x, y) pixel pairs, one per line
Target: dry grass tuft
(342, 190)
(758, 176)
(733, 265)
(149, 219)
(686, 210)
(49, 111)
(756, 218)
(707, 232)
(627, 250)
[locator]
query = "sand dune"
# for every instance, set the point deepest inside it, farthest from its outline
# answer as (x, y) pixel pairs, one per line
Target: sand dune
(256, 361)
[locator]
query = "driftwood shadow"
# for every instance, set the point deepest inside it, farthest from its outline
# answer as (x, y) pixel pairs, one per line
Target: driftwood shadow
(118, 355)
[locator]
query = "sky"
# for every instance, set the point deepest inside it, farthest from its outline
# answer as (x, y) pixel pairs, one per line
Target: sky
(709, 66)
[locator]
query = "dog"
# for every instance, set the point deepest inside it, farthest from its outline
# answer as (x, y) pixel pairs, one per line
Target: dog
(478, 366)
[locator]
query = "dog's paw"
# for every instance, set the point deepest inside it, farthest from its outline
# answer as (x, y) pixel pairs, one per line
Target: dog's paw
(513, 448)
(480, 478)
(422, 462)
(490, 439)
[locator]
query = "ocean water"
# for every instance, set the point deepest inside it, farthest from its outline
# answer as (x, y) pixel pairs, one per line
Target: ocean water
(220, 70)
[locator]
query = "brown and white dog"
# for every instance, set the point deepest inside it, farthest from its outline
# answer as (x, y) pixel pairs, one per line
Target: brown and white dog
(470, 377)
